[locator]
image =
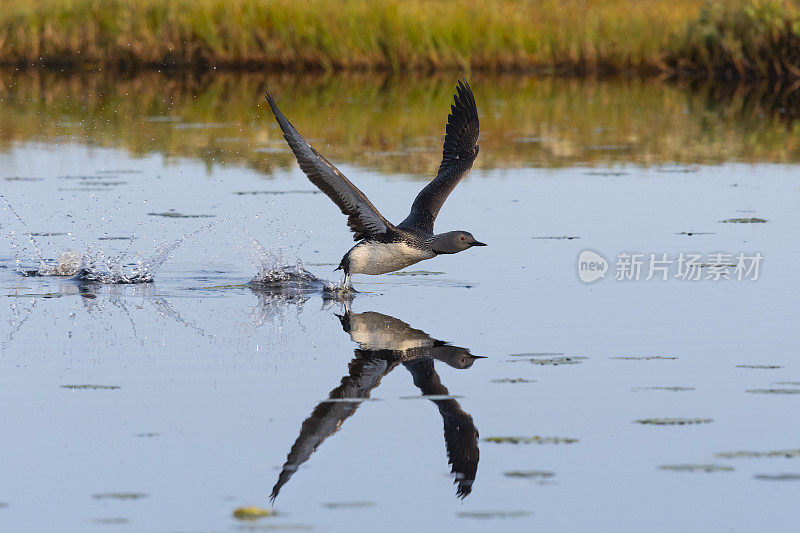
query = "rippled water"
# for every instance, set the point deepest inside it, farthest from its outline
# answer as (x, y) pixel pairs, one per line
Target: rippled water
(482, 390)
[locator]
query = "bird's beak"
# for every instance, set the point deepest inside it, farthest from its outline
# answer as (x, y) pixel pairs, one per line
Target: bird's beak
(478, 243)
(478, 356)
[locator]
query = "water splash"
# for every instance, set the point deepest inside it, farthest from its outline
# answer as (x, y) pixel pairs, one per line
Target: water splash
(276, 272)
(37, 251)
(94, 265)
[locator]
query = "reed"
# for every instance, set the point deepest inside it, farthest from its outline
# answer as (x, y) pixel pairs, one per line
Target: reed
(742, 37)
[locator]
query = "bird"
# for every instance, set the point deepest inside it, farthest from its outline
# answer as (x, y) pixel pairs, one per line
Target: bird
(384, 342)
(384, 247)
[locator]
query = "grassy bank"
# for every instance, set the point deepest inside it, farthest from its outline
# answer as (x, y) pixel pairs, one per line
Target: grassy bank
(747, 37)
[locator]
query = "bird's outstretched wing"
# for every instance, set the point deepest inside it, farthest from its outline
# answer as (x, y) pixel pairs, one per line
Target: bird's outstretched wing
(459, 152)
(362, 217)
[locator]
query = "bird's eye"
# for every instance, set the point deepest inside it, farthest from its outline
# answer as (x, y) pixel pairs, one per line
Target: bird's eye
(463, 238)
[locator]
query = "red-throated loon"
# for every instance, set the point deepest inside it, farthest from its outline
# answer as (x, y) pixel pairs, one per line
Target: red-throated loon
(384, 247)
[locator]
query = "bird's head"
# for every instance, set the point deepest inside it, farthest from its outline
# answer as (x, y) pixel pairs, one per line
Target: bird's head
(453, 242)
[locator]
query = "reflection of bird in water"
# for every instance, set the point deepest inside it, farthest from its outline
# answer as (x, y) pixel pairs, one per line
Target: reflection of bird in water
(384, 342)
(385, 247)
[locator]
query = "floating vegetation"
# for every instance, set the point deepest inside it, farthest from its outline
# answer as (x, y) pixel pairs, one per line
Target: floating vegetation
(253, 193)
(115, 238)
(673, 421)
(120, 496)
(774, 391)
(513, 380)
(536, 439)
(347, 505)
(644, 357)
(416, 273)
(743, 221)
(37, 295)
(48, 234)
(777, 477)
(559, 237)
(671, 389)
(548, 361)
(147, 435)
(19, 178)
(175, 214)
(795, 383)
(691, 233)
(760, 367)
(537, 474)
(788, 454)
(709, 468)
(482, 515)
(109, 521)
(90, 387)
(252, 513)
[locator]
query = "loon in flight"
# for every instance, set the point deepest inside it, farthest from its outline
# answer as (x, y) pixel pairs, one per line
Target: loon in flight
(384, 247)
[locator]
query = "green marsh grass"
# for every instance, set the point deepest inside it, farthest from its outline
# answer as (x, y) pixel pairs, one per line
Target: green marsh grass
(576, 36)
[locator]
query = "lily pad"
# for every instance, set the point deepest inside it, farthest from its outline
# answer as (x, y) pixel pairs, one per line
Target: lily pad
(347, 505)
(174, 214)
(120, 496)
(760, 367)
(752, 220)
(254, 193)
(252, 513)
(536, 439)
(90, 387)
(697, 468)
(673, 421)
(513, 380)
(110, 521)
(774, 391)
(557, 238)
(777, 477)
(37, 295)
(537, 474)
(553, 361)
(788, 454)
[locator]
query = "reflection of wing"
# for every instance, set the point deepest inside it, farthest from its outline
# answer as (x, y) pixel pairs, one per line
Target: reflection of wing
(328, 416)
(460, 433)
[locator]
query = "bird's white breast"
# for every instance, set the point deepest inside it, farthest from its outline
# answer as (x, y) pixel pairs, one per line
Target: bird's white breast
(380, 258)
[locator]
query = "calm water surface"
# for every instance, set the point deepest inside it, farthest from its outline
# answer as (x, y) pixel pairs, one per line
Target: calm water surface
(165, 406)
